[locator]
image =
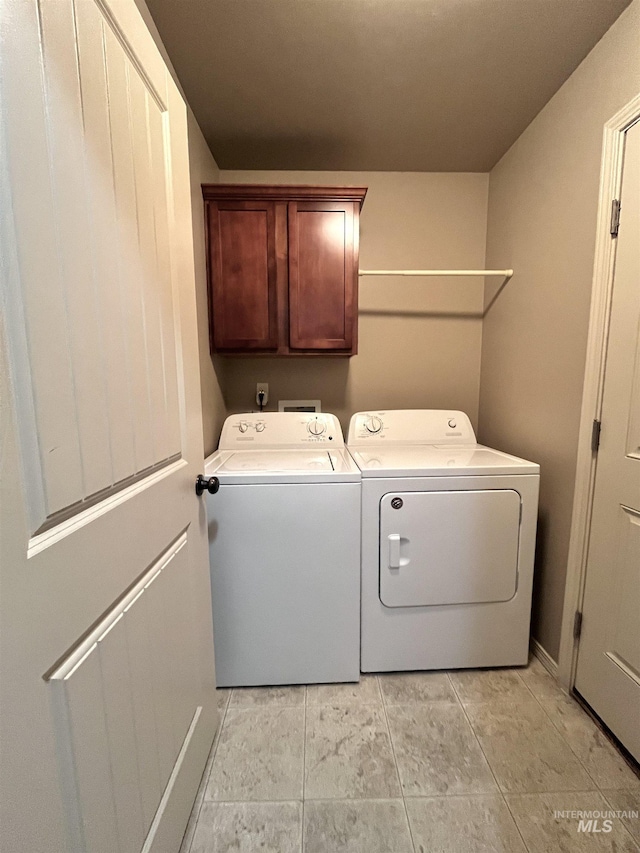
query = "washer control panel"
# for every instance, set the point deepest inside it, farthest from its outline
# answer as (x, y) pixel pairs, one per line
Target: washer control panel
(268, 430)
(411, 426)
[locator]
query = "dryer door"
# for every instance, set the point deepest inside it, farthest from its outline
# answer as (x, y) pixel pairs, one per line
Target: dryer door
(457, 547)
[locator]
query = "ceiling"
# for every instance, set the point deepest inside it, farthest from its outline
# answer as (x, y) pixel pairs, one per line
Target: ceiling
(408, 85)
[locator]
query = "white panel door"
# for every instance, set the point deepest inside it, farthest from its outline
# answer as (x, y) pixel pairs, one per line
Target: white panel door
(454, 547)
(608, 674)
(107, 680)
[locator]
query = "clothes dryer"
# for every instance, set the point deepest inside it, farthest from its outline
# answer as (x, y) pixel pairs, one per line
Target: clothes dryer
(448, 537)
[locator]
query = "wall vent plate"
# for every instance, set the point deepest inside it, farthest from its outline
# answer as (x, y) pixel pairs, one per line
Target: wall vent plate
(299, 406)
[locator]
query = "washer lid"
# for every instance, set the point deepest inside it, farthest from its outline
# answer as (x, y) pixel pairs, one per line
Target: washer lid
(282, 466)
(275, 461)
(433, 460)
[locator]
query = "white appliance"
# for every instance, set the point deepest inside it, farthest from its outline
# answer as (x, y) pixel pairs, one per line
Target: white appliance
(284, 548)
(448, 536)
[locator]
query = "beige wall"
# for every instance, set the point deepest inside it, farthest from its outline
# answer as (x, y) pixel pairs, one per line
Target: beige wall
(543, 198)
(419, 339)
(204, 170)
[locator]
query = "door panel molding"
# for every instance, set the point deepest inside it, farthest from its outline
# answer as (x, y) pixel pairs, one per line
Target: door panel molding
(72, 659)
(61, 524)
(97, 403)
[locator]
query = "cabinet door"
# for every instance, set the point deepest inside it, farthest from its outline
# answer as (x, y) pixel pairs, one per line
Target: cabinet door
(243, 275)
(323, 275)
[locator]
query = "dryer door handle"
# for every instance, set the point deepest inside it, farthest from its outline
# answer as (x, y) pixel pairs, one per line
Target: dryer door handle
(394, 550)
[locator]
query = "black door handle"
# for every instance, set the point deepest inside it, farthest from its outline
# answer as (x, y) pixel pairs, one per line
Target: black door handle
(207, 484)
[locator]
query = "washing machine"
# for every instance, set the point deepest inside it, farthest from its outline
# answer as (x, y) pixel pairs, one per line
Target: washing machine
(448, 537)
(284, 548)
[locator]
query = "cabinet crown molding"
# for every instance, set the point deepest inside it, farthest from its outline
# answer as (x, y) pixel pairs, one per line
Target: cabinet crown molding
(282, 192)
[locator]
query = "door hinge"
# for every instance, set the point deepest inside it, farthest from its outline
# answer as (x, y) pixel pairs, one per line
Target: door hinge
(615, 217)
(596, 429)
(577, 625)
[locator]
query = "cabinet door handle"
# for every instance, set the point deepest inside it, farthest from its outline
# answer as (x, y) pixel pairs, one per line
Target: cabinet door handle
(394, 550)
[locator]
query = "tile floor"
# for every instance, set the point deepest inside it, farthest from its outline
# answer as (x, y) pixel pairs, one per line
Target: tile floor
(460, 762)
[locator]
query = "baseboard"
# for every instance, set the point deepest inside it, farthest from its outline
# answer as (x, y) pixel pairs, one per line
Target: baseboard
(544, 657)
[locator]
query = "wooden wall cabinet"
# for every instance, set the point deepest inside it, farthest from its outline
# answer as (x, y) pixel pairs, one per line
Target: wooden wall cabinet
(283, 268)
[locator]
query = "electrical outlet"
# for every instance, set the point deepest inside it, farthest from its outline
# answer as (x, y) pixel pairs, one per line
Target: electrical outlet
(262, 386)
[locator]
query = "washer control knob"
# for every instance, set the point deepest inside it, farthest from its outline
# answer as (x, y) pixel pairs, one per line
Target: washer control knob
(260, 427)
(373, 425)
(316, 427)
(452, 423)
(243, 426)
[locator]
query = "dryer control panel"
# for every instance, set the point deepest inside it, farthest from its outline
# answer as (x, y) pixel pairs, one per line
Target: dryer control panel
(281, 430)
(410, 426)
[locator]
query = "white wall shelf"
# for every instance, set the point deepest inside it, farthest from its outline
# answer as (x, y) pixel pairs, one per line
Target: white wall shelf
(506, 273)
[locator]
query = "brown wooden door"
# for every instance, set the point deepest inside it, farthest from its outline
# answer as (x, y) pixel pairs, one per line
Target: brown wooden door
(323, 275)
(243, 275)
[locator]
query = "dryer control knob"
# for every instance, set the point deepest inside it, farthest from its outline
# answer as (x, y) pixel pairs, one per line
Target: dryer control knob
(373, 425)
(260, 427)
(316, 427)
(243, 426)
(452, 423)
